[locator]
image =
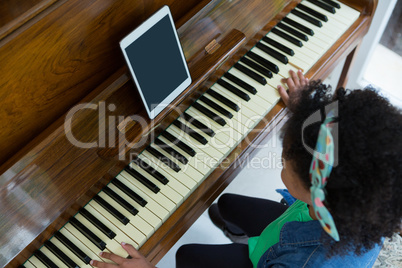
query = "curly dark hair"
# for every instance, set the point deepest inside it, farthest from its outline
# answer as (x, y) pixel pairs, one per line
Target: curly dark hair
(364, 191)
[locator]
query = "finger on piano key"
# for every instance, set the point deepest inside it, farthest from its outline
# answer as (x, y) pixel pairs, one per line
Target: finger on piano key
(69, 253)
(81, 242)
(124, 233)
(157, 203)
(174, 183)
(189, 182)
(79, 251)
(140, 225)
(48, 258)
(111, 244)
(166, 190)
(57, 252)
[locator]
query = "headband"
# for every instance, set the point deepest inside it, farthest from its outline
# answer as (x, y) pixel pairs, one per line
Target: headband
(320, 169)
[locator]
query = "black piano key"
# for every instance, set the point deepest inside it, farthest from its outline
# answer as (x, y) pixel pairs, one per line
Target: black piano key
(256, 67)
(142, 179)
(179, 143)
(329, 8)
(332, 3)
(293, 32)
(279, 56)
(190, 131)
(163, 158)
(44, 259)
(198, 124)
(306, 17)
(91, 218)
(241, 83)
(88, 233)
(120, 217)
(21, 266)
(171, 151)
(250, 73)
(312, 12)
(278, 45)
(61, 255)
(299, 26)
(287, 37)
(234, 90)
(223, 99)
(264, 62)
(153, 172)
(73, 248)
(217, 107)
(133, 195)
(121, 202)
(209, 113)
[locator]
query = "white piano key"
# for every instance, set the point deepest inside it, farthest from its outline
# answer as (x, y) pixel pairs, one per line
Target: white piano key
(207, 148)
(283, 68)
(268, 93)
(111, 244)
(144, 221)
(36, 262)
(325, 30)
(258, 107)
(124, 233)
(28, 264)
(348, 11)
(174, 183)
(338, 16)
(69, 253)
(53, 257)
(84, 244)
(215, 141)
(188, 180)
(158, 197)
(154, 200)
(166, 190)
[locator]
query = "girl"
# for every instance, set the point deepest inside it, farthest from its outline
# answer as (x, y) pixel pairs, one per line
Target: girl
(342, 161)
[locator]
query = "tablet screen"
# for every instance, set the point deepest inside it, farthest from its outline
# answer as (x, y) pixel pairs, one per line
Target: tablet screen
(156, 61)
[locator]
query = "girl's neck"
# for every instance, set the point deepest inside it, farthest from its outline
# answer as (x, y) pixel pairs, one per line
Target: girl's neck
(311, 212)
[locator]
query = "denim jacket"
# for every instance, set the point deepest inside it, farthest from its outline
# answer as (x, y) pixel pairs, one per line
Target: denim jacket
(299, 246)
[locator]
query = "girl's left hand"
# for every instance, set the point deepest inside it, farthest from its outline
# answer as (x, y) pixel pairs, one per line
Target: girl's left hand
(137, 261)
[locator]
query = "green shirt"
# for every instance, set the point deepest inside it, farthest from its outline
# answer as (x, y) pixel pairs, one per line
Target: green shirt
(257, 245)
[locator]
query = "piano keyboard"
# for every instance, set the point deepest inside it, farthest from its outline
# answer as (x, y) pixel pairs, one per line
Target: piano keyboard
(143, 196)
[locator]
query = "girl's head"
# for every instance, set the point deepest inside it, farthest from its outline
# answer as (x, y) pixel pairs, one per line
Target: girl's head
(364, 190)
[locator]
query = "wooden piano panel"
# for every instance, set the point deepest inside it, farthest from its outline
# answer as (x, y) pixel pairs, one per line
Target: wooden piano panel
(51, 179)
(55, 59)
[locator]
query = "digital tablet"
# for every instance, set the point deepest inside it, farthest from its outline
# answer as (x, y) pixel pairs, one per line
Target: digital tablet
(156, 61)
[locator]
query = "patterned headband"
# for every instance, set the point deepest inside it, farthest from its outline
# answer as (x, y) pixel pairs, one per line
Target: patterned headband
(320, 169)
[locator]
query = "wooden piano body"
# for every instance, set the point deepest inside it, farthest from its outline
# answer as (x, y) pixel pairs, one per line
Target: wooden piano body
(55, 54)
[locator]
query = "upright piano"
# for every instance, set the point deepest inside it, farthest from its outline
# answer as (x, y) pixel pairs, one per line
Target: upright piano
(82, 166)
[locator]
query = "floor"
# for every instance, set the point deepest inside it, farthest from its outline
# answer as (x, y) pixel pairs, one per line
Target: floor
(261, 176)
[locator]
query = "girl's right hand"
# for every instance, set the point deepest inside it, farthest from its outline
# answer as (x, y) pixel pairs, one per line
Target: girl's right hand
(295, 82)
